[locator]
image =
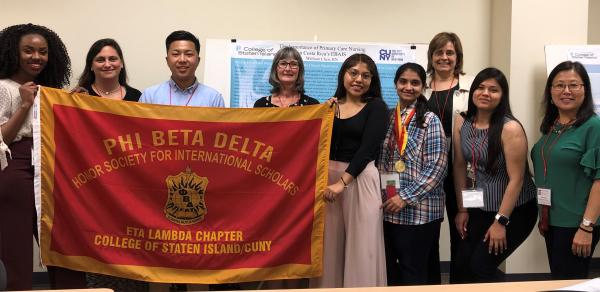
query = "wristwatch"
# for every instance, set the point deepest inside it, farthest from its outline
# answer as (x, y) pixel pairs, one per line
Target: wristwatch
(502, 219)
(587, 223)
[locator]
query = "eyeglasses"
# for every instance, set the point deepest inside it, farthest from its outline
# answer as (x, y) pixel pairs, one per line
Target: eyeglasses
(354, 74)
(283, 64)
(563, 86)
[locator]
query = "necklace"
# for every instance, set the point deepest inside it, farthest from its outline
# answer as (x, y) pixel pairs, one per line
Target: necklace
(106, 92)
(286, 105)
(558, 127)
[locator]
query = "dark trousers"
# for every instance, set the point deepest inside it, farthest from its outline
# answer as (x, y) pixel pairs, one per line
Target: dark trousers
(406, 247)
(563, 264)
(451, 211)
(474, 262)
(18, 218)
(61, 278)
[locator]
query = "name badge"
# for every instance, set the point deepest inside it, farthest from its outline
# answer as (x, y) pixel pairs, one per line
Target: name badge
(472, 198)
(390, 182)
(544, 196)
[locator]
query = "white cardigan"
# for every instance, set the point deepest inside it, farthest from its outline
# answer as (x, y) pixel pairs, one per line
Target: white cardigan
(460, 99)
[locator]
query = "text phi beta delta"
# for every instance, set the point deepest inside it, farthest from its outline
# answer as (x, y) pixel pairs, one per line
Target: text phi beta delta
(191, 145)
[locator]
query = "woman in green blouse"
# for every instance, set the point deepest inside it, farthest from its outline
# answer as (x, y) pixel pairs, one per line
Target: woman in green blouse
(567, 171)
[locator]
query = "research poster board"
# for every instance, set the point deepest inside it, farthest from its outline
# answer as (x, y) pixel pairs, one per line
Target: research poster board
(588, 55)
(240, 69)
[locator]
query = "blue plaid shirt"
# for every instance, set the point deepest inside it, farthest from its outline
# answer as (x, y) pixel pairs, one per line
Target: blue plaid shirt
(426, 159)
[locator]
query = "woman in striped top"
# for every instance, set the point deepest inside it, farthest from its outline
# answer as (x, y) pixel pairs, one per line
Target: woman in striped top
(495, 191)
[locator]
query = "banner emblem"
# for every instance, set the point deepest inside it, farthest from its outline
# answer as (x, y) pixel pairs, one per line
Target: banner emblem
(185, 201)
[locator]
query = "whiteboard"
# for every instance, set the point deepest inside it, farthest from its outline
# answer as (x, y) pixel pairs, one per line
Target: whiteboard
(588, 55)
(219, 54)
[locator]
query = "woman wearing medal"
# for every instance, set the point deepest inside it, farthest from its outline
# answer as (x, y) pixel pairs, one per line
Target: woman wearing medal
(490, 147)
(566, 160)
(413, 166)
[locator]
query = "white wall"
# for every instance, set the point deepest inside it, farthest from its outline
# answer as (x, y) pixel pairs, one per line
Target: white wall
(594, 22)
(141, 26)
(501, 35)
(536, 23)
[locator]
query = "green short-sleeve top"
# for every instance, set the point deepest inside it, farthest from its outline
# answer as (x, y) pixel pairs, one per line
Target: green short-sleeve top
(572, 165)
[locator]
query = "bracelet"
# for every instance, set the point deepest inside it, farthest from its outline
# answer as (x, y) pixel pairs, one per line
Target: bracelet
(585, 230)
(587, 223)
(344, 182)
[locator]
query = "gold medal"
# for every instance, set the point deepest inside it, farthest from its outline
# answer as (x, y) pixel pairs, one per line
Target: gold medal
(400, 166)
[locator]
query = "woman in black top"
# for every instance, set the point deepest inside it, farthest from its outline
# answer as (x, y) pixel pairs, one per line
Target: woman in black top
(353, 254)
(104, 73)
(287, 79)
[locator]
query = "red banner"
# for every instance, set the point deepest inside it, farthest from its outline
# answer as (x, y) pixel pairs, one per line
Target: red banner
(181, 194)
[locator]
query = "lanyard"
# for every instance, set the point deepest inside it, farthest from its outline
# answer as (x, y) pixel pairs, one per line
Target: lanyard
(544, 160)
(475, 157)
(400, 129)
(442, 111)
(189, 98)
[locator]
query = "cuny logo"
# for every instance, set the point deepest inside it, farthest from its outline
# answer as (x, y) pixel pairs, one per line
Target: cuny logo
(384, 55)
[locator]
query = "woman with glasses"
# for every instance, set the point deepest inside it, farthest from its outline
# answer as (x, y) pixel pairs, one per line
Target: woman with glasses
(447, 92)
(566, 160)
(353, 252)
(287, 79)
(413, 166)
(494, 189)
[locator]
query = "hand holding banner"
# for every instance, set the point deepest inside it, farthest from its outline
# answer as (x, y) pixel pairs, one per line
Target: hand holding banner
(181, 194)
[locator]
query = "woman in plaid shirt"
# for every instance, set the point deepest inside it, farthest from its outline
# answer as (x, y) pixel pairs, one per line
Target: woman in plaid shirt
(413, 166)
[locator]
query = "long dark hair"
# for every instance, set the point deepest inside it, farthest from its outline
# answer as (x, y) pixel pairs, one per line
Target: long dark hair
(587, 107)
(497, 119)
(58, 68)
(421, 105)
(374, 91)
(87, 76)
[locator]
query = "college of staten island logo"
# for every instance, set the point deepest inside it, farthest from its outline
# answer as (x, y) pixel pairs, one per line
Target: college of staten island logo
(185, 202)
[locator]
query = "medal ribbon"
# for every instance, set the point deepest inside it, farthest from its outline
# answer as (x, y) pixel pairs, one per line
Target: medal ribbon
(400, 129)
